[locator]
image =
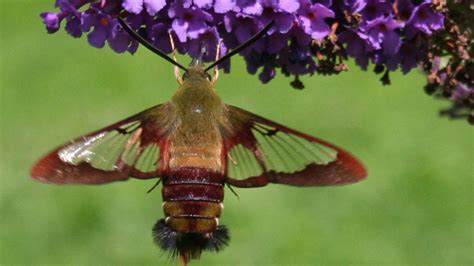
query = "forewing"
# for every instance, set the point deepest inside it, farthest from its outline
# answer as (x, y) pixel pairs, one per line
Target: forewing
(127, 148)
(258, 147)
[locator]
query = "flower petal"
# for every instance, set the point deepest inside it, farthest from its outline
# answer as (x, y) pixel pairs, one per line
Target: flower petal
(196, 28)
(223, 6)
(180, 27)
(391, 43)
(320, 29)
(289, 6)
(51, 21)
(120, 42)
(322, 11)
(133, 6)
(97, 37)
(87, 21)
(73, 27)
(203, 3)
(154, 6)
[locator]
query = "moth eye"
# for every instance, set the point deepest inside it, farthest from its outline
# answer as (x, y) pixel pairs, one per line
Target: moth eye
(185, 75)
(208, 76)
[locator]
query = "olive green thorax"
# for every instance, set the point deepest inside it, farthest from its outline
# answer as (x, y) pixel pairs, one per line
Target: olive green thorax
(196, 94)
(197, 106)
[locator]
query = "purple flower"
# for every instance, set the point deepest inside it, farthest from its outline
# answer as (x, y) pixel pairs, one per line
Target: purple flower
(375, 9)
(209, 40)
(73, 26)
(224, 6)
(73, 18)
(326, 3)
(425, 19)
(249, 7)
(203, 3)
(160, 37)
(405, 9)
(382, 34)
(289, 6)
(297, 60)
(256, 60)
(136, 6)
(101, 25)
(133, 6)
(312, 19)
(106, 28)
(358, 46)
(300, 36)
(242, 28)
(408, 56)
(68, 11)
(462, 92)
(267, 74)
(51, 21)
(275, 43)
(188, 22)
(355, 6)
(154, 6)
(283, 21)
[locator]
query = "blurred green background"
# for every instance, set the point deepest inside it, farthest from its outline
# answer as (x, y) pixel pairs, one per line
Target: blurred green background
(416, 207)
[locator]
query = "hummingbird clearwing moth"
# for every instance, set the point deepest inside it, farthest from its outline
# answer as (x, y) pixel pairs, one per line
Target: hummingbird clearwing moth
(195, 145)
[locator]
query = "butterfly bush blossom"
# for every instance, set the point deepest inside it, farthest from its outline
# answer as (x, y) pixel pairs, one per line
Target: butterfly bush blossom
(308, 36)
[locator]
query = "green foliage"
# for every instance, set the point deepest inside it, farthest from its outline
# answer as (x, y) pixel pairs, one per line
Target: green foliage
(415, 207)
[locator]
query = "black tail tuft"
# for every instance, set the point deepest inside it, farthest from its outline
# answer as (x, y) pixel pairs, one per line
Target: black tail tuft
(189, 246)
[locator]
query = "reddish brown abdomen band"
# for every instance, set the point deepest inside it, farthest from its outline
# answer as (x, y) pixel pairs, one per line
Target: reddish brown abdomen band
(193, 199)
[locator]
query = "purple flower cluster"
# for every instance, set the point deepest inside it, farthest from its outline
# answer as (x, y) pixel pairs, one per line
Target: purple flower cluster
(308, 36)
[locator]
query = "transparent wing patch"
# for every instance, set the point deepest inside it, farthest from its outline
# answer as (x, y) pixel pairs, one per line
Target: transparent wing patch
(242, 163)
(281, 152)
(285, 152)
(112, 150)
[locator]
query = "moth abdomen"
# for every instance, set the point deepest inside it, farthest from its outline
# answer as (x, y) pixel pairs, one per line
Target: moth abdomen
(192, 204)
(193, 199)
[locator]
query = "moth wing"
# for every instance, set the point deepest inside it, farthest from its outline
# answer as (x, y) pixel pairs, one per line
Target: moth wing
(258, 147)
(128, 148)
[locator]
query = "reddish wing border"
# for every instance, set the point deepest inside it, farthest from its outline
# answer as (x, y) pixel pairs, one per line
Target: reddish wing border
(51, 169)
(346, 169)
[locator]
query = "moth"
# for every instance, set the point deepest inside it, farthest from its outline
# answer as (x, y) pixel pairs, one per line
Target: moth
(195, 145)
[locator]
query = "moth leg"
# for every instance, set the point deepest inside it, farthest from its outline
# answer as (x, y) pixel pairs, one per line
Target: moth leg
(216, 68)
(232, 190)
(154, 186)
(176, 69)
(254, 181)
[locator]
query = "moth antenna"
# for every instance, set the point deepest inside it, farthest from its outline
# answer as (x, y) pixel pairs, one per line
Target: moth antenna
(244, 45)
(177, 73)
(147, 44)
(216, 67)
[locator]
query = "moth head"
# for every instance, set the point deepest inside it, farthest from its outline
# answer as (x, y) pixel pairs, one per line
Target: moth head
(196, 73)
